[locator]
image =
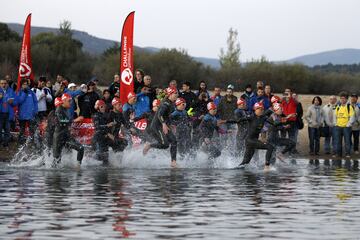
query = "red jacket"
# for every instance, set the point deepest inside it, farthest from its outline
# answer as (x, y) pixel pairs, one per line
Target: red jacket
(289, 108)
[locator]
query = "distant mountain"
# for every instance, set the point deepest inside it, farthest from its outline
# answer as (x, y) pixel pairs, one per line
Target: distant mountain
(91, 44)
(339, 56)
(96, 46)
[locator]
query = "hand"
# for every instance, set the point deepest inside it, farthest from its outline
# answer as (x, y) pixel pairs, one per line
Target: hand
(207, 140)
(132, 116)
(165, 128)
(1, 95)
(109, 135)
(110, 124)
(219, 122)
(79, 119)
(287, 126)
(291, 115)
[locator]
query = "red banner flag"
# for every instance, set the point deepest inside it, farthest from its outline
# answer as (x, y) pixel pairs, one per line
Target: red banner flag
(25, 66)
(126, 58)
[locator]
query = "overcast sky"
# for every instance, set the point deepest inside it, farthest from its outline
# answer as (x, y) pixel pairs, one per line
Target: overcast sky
(278, 29)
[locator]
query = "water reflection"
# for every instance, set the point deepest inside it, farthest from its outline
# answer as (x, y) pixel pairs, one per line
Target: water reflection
(294, 201)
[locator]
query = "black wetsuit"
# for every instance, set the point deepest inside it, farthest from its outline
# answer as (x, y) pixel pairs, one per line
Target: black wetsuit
(252, 142)
(240, 115)
(50, 129)
(181, 120)
(164, 140)
(62, 137)
(101, 141)
(207, 127)
(275, 125)
(119, 143)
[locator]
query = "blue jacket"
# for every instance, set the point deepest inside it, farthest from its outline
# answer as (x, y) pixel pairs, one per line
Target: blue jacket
(28, 106)
(5, 107)
(256, 99)
(73, 94)
(217, 99)
(142, 104)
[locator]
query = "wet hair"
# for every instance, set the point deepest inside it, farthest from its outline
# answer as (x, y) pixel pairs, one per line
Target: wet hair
(318, 98)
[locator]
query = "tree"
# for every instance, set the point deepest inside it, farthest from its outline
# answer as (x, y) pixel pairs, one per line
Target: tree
(6, 34)
(231, 58)
(65, 28)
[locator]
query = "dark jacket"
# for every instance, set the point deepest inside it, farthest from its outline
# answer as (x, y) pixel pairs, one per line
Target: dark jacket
(226, 108)
(114, 88)
(86, 104)
(190, 99)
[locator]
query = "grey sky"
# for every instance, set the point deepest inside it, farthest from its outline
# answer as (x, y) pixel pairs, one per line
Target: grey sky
(278, 29)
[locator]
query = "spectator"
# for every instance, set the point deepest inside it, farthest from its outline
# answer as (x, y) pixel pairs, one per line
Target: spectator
(268, 92)
(202, 89)
(115, 86)
(7, 102)
(107, 99)
(217, 96)
(188, 95)
(329, 111)
(28, 108)
(260, 98)
(50, 105)
(289, 109)
(96, 89)
(314, 117)
(151, 92)
(87, 101)
(139, 79)
(344, 119)
(248, 96)
(142, 102)
(57, 85)
(355, 129)
(43, 96)
(12, 84)
(228, 105)
(259, 84)
(74, 93)
(299, 114)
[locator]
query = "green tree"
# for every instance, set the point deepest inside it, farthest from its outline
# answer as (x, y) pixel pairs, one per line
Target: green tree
(231, 58)
(65, 28)
(6, 34)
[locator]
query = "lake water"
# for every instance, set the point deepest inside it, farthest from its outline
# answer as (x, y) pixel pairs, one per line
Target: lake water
(302, 201)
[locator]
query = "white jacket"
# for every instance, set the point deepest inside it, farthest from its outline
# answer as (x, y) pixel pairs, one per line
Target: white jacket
(356, 124)
(329, 111)
(310, 117)
(42, 99)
